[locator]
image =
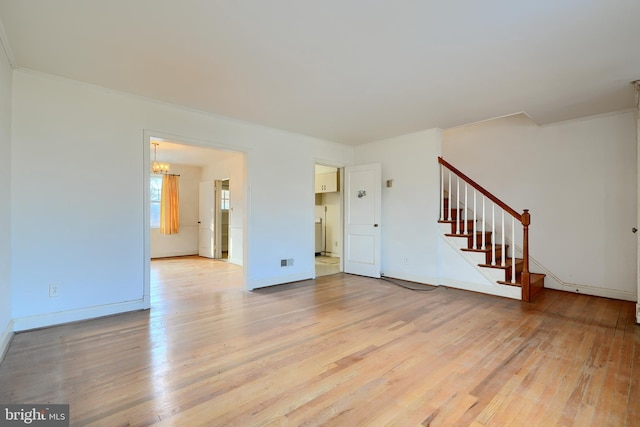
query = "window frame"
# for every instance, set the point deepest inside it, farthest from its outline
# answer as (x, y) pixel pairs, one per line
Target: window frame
(152, 199)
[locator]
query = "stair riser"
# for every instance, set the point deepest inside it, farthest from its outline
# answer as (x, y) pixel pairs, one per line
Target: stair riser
(466, 241)
(489, 256)
(507, 273)
(454, 214)
(506, 270)
(469, 227)
(478, 239)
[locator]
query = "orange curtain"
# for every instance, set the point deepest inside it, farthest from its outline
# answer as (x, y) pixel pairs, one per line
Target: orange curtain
(169, 205)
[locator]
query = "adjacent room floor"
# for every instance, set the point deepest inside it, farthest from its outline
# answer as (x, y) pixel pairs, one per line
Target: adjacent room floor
(327, 265)
(339, 350)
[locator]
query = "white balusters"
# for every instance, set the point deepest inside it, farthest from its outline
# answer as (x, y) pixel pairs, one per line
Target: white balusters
(466, 218)
(441, 193)
(493, 233)
(503, 252)
(458, 205)
(513, 250)
(474, 221)
(449, 196)
(479, 213)
(484, 231)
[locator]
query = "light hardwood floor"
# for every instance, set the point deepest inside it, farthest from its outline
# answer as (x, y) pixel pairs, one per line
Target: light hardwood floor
(342, 350)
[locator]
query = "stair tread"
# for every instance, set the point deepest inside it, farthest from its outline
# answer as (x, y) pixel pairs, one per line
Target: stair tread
(508, 263)
(487, 248)
(533, 278)
(467, 235)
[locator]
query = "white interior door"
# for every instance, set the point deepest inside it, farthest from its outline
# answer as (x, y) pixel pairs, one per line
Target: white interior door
(206, 219)
(363, 189)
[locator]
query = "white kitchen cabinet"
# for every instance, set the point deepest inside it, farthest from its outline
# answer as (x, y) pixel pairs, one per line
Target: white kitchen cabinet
(327, 182)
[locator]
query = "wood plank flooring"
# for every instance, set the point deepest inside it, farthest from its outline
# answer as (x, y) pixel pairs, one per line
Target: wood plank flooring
(342, 350)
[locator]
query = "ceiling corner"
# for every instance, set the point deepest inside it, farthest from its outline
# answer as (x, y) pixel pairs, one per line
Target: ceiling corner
(7, 48)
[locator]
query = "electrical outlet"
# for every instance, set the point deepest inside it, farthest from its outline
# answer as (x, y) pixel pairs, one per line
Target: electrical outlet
(405, 260)
(290, 262)
(54, 290)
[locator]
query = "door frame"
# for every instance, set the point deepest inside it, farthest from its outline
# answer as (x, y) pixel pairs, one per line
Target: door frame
(217, 219)
(636, 86)
(146, 231)
(219, 183)
(340, 167)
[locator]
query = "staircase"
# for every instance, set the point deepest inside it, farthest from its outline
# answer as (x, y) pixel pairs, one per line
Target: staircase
(469, 210)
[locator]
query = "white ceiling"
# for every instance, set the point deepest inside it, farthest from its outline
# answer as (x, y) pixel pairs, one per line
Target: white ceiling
(183, 154)
(350, 71)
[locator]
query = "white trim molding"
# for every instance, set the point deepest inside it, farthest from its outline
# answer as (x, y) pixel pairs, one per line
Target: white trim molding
(505, 291)
(280, 280)
(4, 41)
(60, 317)
(5, 339)
(636, 87)
(593, 291)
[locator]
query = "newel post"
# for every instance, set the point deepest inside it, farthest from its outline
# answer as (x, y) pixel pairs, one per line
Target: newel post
(525, 278)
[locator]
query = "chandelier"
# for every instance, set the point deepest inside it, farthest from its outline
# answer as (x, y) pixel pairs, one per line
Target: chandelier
(156, 166)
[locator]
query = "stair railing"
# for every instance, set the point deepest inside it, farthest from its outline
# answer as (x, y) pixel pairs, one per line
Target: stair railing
(448, 174)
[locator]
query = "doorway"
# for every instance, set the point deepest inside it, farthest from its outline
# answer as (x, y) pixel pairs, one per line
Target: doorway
(196, 163)
(328, 220)
(225, 197)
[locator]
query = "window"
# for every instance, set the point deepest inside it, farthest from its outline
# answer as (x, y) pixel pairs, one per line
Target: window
(155, 194)
(225, 200)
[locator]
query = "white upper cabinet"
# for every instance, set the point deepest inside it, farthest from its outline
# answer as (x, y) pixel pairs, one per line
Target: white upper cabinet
(327, 182)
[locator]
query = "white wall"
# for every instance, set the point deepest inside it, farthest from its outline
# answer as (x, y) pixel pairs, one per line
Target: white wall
(410, 232)
(82, 223)
(185, 242)
(578, 178)
(6, 324)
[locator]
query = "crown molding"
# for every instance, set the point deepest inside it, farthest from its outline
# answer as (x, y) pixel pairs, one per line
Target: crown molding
(7, 48)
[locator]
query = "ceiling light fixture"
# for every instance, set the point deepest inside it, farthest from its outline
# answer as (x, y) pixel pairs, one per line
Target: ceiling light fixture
(158, 167)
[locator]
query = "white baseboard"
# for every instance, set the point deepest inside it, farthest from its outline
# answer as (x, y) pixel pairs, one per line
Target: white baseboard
(432, 281)
(513, 292)
(262, 283)
(172, 254)
(5, 339)
(593, 290)
(638, 313)
(235, 261)
(51, 319)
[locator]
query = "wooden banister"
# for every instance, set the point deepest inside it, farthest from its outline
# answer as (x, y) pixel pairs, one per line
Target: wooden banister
(524, 218)
(481, 189)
